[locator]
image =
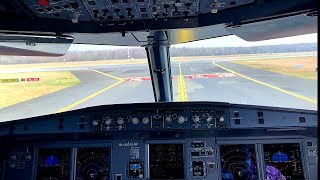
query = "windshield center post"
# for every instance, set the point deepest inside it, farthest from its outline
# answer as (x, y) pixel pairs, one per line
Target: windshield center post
(159, 65)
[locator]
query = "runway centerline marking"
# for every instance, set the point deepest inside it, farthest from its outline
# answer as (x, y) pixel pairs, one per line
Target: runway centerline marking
(269, 85)
(182, 91)
(120, 80)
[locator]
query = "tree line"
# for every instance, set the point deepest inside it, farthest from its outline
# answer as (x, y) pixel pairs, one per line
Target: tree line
(138, 53)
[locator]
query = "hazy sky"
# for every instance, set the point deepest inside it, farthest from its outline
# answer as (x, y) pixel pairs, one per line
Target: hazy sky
(227, 41)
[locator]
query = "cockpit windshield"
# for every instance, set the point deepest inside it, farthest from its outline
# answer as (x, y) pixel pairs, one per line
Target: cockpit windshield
(279, 72)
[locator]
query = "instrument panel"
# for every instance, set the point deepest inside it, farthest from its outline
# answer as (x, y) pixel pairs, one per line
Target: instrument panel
(204, 118)
(171, 160)
(127, 10)
(194, 140)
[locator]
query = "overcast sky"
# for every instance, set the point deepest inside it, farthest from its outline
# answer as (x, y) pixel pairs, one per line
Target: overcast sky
(227, 41)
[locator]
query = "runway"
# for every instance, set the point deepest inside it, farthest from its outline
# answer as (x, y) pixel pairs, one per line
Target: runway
(207, 80)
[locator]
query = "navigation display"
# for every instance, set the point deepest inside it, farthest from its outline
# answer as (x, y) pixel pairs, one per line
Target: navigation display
(283, 161)
(93, 163)
(238, 162)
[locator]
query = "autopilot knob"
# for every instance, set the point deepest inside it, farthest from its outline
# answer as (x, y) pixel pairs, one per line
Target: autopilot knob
(28, 156)
(135, 120)
(181, 120)
(209, 119)
(196, 119)
(95, 122)
(108, 121)
(168, 119)
(221, 119)
(120, 121)
(145, 120)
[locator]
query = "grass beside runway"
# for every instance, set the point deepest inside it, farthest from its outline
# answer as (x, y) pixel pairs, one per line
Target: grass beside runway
(301, 67)
(49, 82)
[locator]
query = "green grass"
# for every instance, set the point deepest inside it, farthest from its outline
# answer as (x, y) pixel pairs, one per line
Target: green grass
(285, 66)
(12, 93)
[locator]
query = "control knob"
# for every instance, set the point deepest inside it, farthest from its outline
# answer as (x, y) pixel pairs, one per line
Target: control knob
(181, 120)
(221, 119)
(120, 121)
(108, 121)
(135, 120)
(196, 119)
(28, 156)
(168, 119)
(95, 122)
(145, 120)
(209, 118)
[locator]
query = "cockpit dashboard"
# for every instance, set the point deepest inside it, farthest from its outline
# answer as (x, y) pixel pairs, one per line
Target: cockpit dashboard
(192, 140)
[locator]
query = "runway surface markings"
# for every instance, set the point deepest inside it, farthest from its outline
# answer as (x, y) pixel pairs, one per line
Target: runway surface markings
(182, 91)
(215, 75)
(269, 85)
(120, 80)
(109, 75)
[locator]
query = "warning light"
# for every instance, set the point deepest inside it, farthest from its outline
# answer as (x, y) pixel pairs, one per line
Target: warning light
(43, 2)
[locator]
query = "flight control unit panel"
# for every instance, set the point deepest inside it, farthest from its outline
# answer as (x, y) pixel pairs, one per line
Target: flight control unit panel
(163, 141)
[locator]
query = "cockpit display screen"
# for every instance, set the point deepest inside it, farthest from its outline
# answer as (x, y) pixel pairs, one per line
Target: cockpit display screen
(53, 163)
(283, 161)
(238, 162)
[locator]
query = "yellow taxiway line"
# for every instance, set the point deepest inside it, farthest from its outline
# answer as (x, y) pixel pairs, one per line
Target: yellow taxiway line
(120, 80)
(269, 85)
(182, 92)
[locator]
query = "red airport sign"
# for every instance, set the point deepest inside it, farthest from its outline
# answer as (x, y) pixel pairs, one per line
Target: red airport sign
(32, 79)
